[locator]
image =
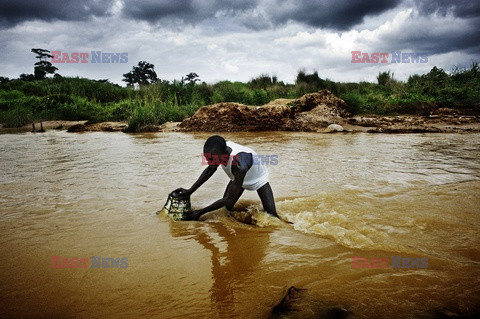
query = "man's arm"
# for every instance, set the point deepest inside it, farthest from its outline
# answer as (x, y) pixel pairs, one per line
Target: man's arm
(244, 162)
(205, 176)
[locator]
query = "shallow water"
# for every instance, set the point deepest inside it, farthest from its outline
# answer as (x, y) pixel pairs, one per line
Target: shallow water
(97, 194)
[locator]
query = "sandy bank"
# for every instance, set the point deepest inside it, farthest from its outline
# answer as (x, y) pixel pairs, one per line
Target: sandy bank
(370, 124)
(320, 112)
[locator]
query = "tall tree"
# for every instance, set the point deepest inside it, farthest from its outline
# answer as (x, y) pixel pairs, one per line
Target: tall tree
(43, 67)
(384, 77)
(192, 77)
(142, 74)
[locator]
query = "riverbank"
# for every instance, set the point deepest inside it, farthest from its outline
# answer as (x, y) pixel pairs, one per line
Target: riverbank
(320, 112)
(435, 123)
(368, 124)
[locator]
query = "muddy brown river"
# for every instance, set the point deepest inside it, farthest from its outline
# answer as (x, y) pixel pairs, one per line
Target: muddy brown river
(405, 206)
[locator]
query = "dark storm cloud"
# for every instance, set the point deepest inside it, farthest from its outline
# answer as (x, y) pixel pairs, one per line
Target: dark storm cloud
(155, 10)
(466, 40)
(188, 11)
(427, 33)
(459, 8)
(13, 12)
(423, 33)
(334, 14)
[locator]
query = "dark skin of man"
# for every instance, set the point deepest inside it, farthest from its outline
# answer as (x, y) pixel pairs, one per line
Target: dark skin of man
(234, 188)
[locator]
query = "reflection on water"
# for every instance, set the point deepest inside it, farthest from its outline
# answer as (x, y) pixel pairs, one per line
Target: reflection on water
(96, 194)
(235, 256)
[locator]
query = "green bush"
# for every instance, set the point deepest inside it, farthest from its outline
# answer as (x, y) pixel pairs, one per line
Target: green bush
(355, 102)
(120, 111)
(145, 115)
(11, 95)
(16, 117)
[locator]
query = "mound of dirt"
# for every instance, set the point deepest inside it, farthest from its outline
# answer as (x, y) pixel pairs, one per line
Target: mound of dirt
(311, 112)
(234, 117)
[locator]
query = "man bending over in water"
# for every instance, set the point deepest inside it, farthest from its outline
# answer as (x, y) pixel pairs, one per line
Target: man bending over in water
(244, 172)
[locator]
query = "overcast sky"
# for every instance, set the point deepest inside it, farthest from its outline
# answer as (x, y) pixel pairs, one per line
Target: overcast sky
(238, 40)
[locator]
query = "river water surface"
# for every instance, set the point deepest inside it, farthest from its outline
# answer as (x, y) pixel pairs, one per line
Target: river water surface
(371, 196)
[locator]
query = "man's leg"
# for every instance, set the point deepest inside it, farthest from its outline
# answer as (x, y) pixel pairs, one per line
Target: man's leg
(230, 206)
(266, 195)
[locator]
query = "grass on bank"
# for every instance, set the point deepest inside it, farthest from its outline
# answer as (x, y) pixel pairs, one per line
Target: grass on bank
(60, 98)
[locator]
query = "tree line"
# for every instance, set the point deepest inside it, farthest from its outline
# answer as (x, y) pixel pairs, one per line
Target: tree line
(47, 95)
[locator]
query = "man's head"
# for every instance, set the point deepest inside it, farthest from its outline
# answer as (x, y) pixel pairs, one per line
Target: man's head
(215, 145)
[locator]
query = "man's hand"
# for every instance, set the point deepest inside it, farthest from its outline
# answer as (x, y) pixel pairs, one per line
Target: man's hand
(194, 215)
